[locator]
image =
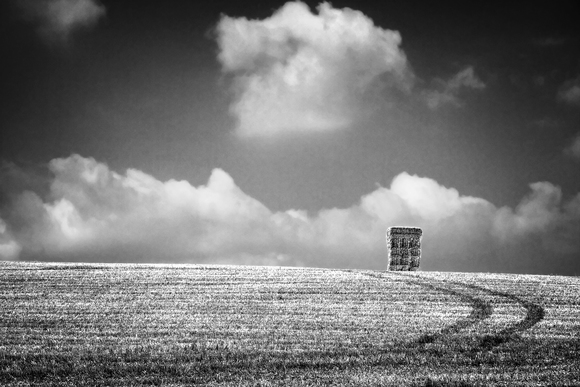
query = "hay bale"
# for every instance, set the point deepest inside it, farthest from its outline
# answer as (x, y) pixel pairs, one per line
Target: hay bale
(404, 246)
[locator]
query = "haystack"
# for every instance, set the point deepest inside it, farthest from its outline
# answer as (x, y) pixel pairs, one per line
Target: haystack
(404, 245)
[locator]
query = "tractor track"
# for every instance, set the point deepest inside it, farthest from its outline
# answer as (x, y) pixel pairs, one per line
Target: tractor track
(481, 310)
(480, 299)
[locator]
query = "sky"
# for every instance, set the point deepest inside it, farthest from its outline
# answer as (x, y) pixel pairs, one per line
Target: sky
(291, 133)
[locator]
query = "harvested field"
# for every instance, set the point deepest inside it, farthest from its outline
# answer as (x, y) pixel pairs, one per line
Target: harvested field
(80, 324)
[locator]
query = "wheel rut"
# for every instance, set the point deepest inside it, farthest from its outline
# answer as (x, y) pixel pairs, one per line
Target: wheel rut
(534, 314)
(429, 347)
(481, 310)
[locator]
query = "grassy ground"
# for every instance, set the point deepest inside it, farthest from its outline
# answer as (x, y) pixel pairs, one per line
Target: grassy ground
(74, 324)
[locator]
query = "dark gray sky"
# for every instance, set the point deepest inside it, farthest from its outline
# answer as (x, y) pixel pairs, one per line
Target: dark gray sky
(305, 109)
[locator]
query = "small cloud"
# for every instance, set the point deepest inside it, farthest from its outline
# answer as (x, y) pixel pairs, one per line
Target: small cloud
(299, 72)
(545, 123)
(448, 91)
(539, 80)
(57, 19)
(550, 42)
(573, 150)
(9, 248)
(569, 92)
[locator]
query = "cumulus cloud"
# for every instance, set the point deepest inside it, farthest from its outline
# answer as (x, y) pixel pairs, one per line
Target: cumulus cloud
(297, 71)
(447, 92)
(573, 150)
(92, 213)
(542, 220)
(569, 92)
(9, 248)
(57, 19)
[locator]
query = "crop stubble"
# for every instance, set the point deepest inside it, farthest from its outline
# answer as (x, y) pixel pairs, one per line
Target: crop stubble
(123, 324)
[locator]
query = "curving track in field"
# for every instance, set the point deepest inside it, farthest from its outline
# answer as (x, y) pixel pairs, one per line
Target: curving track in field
(481, 309)
(456, 351)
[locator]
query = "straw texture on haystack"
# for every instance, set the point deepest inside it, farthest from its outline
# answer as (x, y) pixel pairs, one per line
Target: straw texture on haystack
(404, 246)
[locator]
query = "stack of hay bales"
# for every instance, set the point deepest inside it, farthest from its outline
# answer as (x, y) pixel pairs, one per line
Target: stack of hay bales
(404, 245)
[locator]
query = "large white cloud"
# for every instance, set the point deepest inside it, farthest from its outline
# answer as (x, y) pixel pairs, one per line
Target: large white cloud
(301, 72)
(56, 19)
(94, 214)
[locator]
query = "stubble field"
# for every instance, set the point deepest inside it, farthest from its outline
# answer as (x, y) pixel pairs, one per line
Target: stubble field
(81, 324)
